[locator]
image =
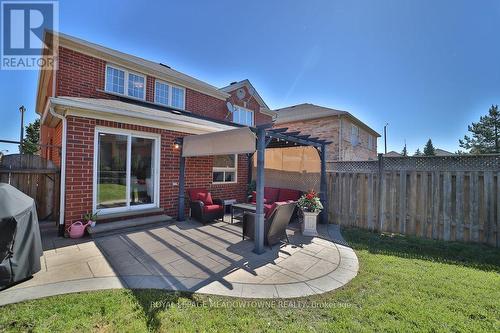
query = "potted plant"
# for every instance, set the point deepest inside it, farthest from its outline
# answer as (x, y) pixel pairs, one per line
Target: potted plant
(90, 217)
(310, 206)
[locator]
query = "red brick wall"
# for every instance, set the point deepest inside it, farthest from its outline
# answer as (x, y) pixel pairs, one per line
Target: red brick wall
(205, 105)
(251, 104)
(81, 75)
(52, 137)
(79, 169)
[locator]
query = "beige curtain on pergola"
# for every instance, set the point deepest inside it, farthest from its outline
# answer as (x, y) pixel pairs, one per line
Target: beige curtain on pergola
(237, 141)
(295, 167)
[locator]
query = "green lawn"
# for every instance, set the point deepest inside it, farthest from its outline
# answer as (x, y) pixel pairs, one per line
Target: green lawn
(112, 192)
(404, 284)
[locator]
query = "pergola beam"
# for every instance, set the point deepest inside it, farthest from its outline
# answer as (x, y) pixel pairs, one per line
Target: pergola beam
(295, 139)
(295, 133)
(279, 130)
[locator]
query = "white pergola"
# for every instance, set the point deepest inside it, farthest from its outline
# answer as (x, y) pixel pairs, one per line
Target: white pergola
(248, 140)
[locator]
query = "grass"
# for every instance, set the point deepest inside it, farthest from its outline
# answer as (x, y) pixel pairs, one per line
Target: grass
(404, 284)
(111, 192)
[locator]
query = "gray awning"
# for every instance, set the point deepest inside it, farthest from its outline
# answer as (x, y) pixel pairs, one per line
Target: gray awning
(237, 141)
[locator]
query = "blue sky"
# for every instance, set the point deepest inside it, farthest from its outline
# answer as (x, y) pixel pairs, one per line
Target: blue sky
(426, 67)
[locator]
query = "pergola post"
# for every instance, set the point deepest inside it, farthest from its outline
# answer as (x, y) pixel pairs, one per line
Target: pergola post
(182, 168)
(259, 214)
(323, 186)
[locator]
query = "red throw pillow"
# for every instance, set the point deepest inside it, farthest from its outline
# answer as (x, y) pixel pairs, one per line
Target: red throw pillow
(271, 209)
(206, 197)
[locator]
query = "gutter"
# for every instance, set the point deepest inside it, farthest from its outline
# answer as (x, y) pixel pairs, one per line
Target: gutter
(62, 197)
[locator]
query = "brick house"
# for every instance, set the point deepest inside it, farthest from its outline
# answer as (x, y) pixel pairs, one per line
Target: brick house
(352, 139)
(116, 117)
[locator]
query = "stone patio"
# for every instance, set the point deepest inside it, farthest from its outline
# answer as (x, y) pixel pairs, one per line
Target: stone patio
(188, 256)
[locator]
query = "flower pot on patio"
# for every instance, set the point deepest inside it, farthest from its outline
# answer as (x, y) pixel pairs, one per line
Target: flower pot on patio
(311, 206)
(309, 224)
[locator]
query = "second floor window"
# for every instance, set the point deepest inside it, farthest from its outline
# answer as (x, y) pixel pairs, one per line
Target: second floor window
(243, 116)
(169, 95)
(161, 93)
(122, 82)
(115, 80)
(370, 142)
(178, 97)
(136, 86)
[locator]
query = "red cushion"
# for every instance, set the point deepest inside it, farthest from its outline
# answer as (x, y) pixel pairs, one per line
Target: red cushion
(212, 208)
(254, 198)
(287, 194)
(195, 192)
(206, 198)
(271, 194)
(200, 194)
(270, 209)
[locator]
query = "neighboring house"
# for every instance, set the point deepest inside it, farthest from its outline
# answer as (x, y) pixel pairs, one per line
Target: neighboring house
(116, 117)
(393, 153)
(352, 139)
(442, 152)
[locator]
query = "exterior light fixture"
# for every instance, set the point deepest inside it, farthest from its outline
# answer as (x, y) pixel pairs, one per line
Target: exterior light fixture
(178, 143)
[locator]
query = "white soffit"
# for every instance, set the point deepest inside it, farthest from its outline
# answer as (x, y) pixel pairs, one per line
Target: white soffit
(237, 141)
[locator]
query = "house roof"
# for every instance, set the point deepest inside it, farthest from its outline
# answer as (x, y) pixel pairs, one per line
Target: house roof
(246, 83)
(308, 111)
(442, 152)
(137, 113)
(393, 153)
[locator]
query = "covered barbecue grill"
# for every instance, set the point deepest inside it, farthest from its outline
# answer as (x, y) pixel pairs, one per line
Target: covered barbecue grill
(20, 242)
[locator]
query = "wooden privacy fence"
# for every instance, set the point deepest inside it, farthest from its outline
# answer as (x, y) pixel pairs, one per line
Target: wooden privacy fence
(448, 198)
(36, 177)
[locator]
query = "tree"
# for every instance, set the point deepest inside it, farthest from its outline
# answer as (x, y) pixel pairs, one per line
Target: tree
(485, 134)
(404, 152)
(30, 142)
(418, 152)
(429, 148)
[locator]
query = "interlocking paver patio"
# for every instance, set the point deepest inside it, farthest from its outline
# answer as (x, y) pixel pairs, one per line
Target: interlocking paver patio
(189, 256)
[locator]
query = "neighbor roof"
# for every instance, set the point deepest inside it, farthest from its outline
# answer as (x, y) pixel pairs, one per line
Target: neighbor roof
(393, 153)
(308, 111)
(442, 152)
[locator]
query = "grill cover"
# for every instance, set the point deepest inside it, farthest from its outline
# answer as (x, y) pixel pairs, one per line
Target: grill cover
(20, 242)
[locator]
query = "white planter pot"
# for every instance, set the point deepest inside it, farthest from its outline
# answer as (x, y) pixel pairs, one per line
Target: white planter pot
(309, 224)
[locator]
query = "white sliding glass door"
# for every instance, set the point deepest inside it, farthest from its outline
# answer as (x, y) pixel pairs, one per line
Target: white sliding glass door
(125, 171)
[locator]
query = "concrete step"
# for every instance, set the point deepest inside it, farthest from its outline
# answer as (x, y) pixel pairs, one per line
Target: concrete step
(110, 228)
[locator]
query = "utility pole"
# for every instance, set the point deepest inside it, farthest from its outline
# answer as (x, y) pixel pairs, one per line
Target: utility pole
(22, 109)
(385, 137)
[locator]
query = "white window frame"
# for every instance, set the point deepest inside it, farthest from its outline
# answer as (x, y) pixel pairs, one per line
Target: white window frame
(168, 92)
(170, 95)
(125, 83)
(370, 141)
(220, 169)
(246, 110)
(129, 134)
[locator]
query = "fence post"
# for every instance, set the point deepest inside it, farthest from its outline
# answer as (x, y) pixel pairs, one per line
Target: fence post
(380, 215)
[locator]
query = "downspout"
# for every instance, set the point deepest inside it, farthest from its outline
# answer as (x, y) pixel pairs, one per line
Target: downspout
(63, 171)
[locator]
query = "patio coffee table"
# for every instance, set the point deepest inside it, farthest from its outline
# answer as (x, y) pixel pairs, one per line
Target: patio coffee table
(241, 208)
